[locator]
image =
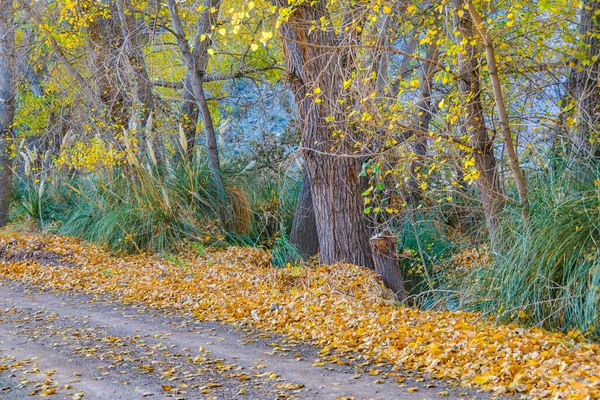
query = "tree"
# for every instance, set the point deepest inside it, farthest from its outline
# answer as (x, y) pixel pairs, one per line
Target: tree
(501, 108)
(470, 89)
(7, 103)
(131, 33)
(195, 64)
(105, 42)
(304, 228)
(318, 62)
(584, 82)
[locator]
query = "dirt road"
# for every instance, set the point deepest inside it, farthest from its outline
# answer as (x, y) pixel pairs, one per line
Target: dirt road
(70, 345)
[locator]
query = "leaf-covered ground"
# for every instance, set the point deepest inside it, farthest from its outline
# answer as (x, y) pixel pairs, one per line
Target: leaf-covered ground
(343, 309)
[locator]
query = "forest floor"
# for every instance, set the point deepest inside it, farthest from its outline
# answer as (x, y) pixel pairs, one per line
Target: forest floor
(77, 322)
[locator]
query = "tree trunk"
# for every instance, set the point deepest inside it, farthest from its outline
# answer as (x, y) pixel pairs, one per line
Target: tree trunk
(320, 60)
(7, 103)
(470, 89)
(584, 83)
(192, 108)
(424, 107)
(304, 228)
(105, 40)
(195, 63)
(385, 258)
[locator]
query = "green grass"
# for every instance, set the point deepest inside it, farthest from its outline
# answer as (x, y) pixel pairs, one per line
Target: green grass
(547, 271)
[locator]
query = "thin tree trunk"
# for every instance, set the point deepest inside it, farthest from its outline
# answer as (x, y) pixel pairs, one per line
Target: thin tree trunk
(304, 228)
(334, 175)
(58, 51)
(192, 108)
(470, 89)
(501, 107)
(193, 63)
(23, 66)
(7, 103)
(424, 107)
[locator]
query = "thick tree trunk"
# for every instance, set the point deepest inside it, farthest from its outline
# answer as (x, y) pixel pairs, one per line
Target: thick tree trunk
(584, 83)
(320, 60)
(470, 89)
(7, 103)
(385, 258)
(304, 228)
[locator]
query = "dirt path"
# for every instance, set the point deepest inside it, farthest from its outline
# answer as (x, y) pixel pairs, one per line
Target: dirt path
(73, 345)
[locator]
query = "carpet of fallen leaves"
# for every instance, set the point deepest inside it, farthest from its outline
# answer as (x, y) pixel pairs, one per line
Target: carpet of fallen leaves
(341, 308)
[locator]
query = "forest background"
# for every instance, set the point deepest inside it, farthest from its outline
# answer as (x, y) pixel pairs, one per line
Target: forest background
(449, 145)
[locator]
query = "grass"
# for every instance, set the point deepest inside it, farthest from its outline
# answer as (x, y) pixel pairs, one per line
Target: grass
(547, 272)
(152, 207)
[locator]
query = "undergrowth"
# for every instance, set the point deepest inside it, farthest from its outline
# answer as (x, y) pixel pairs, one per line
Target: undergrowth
(147, 206)
(547, 271)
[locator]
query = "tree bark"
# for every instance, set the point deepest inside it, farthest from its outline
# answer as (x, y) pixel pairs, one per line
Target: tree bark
(470, 89)
(424, 107)
(105, 40)
(7, 103)
(584, 83)
(304, 228)
(332, 168)
(385, 258)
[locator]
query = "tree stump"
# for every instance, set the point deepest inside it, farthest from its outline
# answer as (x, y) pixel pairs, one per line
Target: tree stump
(385, 258)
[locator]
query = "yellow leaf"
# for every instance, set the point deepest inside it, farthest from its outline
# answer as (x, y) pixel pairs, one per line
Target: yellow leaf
(480, 380)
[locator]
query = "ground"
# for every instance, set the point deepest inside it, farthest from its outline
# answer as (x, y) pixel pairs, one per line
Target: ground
(74, 345)
(223, 323)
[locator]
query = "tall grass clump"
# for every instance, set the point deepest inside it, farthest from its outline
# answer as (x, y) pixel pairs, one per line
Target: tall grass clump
(547, 271)
(136, 207)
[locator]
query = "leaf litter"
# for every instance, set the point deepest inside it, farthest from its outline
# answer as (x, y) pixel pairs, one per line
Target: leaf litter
(341, 308)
